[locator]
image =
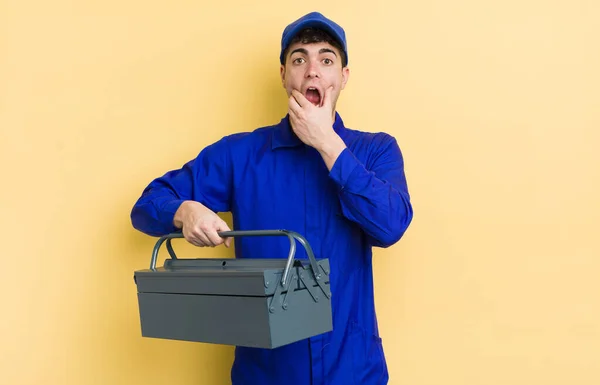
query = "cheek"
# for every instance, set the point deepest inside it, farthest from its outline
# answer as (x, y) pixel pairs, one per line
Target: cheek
(292, 76)
(289, 86)
(336, 83)
(334, 78)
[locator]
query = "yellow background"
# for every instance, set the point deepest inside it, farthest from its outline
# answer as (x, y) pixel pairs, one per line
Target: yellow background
(495, 104)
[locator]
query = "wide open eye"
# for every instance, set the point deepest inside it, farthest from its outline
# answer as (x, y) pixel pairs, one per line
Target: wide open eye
(298, 60)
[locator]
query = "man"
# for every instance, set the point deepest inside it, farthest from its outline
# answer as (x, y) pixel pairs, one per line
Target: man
(344, 190)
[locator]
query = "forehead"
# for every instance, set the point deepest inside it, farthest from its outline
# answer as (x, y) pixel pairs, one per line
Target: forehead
(312, 48)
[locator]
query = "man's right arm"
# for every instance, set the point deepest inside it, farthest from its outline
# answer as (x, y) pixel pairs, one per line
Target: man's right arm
(187, 199)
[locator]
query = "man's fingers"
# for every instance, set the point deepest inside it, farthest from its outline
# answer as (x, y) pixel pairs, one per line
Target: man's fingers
(208, 235)
(300, 99)
(295, 112)
(223, 227)
(212, 234)
(200, 225)
(192, 238)
(197, 237)
(203, 239)
(214, 238)
(326, 102)
(198, 243)
(294, 106)
(295, 120)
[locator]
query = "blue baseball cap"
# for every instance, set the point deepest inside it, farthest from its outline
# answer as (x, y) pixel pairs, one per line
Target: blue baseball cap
(313, 20)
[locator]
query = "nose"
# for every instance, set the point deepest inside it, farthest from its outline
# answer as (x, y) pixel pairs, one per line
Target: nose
(312, 71)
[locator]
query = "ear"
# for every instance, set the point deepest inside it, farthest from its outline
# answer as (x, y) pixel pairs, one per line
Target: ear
(282, 74)
(345, 76)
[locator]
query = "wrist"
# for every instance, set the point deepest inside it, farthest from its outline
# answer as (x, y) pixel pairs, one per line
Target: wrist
(183, 211)
(331, 149)
(178, 217)
(332, 146)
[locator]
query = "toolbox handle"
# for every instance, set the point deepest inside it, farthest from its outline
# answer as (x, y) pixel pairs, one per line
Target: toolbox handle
(159, 243)
(292, 236)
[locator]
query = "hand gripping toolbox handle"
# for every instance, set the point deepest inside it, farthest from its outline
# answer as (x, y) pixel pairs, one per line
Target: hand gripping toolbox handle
(292, 236)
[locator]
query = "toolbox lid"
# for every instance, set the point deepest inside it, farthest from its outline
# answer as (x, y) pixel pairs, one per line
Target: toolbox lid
(240, 277)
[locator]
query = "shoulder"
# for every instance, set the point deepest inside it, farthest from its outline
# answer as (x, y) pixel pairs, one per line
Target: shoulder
(235, 147)
(373, 140)
(373, 148)
(248, 138)
(243, 140)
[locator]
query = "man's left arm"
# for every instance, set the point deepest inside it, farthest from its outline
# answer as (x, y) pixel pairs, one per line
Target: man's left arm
(375, 196)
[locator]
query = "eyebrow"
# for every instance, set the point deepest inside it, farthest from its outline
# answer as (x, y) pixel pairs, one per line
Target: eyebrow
(305, 52)
(324, 50)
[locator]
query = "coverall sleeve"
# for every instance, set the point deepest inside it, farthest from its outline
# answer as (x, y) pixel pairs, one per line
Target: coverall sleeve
(205, 179)
(375, 195)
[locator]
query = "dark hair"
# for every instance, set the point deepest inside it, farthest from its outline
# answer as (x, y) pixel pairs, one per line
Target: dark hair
(312, 35)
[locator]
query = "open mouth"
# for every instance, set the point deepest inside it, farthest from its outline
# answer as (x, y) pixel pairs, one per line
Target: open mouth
(313, 95)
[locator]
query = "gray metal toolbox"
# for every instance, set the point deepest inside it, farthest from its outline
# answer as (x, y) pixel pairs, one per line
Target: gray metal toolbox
(259, 302)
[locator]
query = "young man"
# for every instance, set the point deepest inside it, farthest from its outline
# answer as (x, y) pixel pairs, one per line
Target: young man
(344, 190)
